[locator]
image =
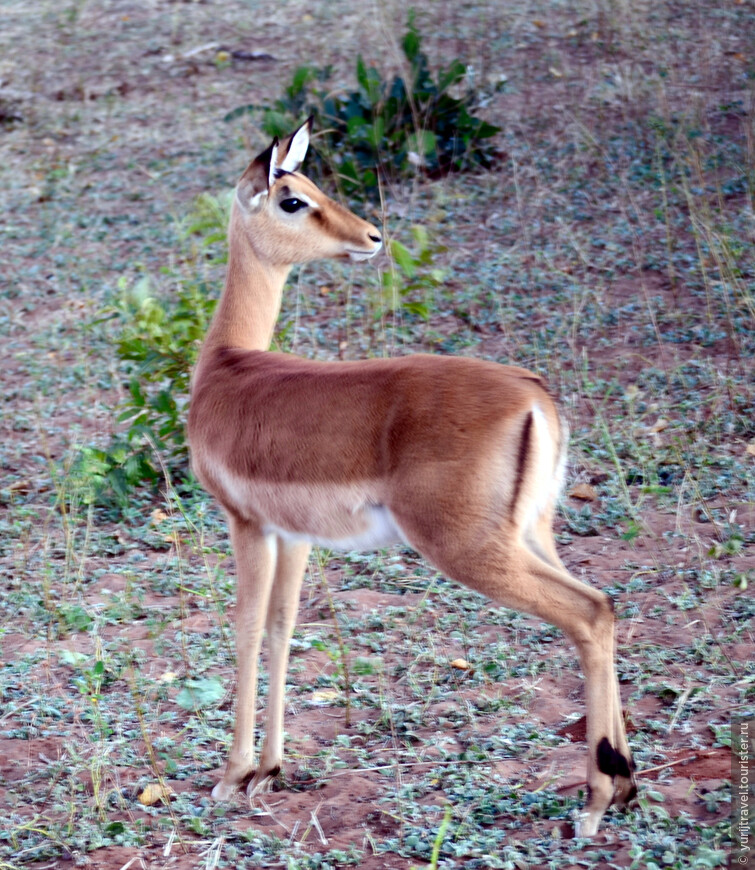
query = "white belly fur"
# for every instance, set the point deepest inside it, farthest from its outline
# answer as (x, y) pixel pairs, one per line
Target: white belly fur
(380, 530)
(339, 517)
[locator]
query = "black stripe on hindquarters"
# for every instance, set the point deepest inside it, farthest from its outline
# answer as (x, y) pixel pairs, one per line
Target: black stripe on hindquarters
(521, 460)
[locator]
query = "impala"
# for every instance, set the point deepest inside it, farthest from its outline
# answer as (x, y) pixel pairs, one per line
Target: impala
(461, 459)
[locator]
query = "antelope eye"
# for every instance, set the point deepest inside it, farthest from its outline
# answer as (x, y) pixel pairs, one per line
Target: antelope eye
(292, 205)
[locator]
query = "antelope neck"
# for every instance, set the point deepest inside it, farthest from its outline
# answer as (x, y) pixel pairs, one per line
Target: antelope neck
(249, 306)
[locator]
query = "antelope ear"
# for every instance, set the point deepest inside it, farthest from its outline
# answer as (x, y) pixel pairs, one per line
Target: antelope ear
(273, 165)
(294, 147)
(258, 177)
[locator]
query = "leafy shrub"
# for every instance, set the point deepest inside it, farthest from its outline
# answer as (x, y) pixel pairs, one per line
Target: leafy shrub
(414, 275)
(159, 338)
(385, 129)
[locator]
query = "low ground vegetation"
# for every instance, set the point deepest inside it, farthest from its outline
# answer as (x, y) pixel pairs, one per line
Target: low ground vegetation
(607, 244)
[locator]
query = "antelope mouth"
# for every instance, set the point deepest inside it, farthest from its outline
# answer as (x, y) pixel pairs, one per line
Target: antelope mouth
(364, 255)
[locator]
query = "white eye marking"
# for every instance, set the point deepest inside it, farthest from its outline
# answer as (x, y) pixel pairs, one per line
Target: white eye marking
(301, 201)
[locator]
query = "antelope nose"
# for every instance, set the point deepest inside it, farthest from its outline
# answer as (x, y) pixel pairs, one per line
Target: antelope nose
(375, 237)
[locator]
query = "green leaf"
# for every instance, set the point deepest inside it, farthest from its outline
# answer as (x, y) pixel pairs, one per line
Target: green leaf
(276, 123)
(214, 238)
(302, 77)
(419, 234)
(485, 130)
(424, 143)
(403, 258)
(72, 658)
(364, 667)
(412, 42)
(377, 132)
(75, 617)
(355, 126)
(198, 694)
(240, 110)
(362, 73)
(419, 308)
(454, 73)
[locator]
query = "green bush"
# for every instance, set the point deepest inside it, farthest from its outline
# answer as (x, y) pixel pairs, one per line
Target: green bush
(413, 277)
(161, 338)
(385, 129)
(158, 337)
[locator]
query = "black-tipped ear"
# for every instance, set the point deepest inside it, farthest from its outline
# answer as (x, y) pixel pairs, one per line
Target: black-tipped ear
(256, 177)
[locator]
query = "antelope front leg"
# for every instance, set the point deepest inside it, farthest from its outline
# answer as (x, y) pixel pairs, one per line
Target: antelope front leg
(281, 618)
(255, 555)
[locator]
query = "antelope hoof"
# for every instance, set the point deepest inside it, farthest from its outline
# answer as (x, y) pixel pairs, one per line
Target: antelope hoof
(586, 823)
(262, 782)
(223, 791)
(235, 776)
(625, 791)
